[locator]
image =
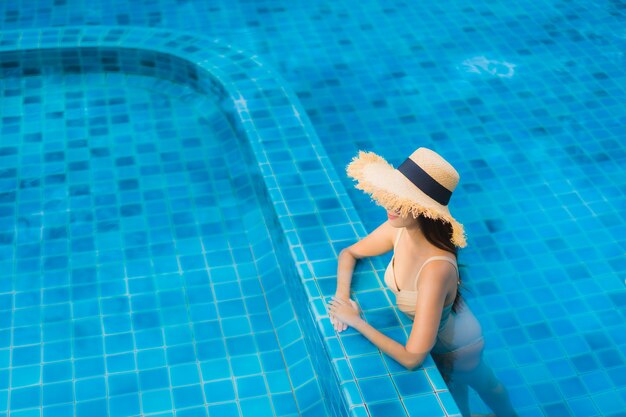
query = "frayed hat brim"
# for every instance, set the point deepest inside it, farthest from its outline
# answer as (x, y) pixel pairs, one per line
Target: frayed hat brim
(390, 189)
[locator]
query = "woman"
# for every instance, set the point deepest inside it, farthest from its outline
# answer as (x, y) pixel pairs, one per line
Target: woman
(422, 273)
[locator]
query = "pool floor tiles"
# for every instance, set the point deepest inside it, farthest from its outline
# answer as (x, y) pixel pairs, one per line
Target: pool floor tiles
(539, 149)
(142, 278)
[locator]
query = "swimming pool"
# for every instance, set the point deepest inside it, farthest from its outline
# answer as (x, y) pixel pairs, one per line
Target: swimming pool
(525, 103)
(141, 275)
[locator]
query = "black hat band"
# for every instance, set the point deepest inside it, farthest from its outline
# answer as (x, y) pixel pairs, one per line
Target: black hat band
(425, 182)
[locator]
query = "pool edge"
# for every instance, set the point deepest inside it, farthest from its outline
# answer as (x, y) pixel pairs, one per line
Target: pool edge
(288, 130)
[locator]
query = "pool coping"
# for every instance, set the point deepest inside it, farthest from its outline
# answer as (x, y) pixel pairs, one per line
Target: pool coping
(278, 136)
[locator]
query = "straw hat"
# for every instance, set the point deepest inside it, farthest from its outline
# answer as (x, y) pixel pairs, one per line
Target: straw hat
(422, 184)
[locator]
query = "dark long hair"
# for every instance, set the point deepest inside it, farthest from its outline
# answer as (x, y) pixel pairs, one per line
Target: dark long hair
(439, 233)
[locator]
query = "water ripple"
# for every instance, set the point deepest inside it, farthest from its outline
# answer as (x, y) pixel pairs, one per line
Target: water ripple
(483, 65)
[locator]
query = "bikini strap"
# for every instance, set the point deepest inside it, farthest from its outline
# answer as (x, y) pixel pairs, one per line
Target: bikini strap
(436, 258)
(398, 237)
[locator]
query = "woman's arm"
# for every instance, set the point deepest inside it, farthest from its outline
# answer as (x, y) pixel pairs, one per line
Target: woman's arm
(432, 288)
(345, 267)
(350, 316)
(432, 291)
(376, 243)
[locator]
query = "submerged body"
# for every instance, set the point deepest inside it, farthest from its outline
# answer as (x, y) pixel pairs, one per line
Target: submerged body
(458, 349)
(457, 330)
(423, 274)
(425, 281)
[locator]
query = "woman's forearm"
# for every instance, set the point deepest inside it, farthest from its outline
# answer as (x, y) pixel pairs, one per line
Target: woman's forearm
(345, 268)
(392, 348)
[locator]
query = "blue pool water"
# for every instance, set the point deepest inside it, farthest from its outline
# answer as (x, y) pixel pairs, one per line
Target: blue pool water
(139, 268)
(525, 99)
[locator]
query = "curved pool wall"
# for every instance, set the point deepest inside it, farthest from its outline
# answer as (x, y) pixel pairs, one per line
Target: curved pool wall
(307, 209)
(118, 167)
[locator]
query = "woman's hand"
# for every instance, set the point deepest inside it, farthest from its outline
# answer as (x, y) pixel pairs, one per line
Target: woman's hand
(338, 325)
(343, 313)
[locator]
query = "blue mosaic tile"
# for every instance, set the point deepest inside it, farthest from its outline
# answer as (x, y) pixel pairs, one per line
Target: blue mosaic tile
(386, 409)
(277, 381)
(522, 92)
(256, 406)
(105, 327)
(415, 383)
(424, 404)
(284, 404)
(368, 366)
(25, 397)
(124, 405)
(223, 410)
(377, 389)
(249, 365)
(95, 408)
(194, 412)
